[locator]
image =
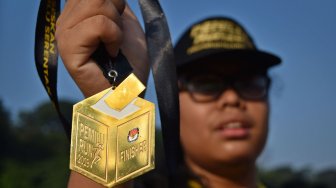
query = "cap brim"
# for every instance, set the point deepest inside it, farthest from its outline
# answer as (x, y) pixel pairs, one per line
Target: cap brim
(240, 57)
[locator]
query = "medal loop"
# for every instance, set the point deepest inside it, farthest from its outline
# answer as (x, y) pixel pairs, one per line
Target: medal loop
(113, 74)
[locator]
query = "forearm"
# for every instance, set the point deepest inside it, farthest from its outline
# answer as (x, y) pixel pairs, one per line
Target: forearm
(77, 180)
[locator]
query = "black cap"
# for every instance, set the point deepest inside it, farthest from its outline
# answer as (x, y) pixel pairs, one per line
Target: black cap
(218, 41)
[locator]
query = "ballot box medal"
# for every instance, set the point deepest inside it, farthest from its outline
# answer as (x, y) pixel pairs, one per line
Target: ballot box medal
(112, 137)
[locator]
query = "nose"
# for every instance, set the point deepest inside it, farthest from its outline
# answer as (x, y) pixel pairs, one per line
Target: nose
(230, 98)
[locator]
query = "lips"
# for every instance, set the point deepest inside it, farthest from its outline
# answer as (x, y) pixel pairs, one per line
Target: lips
(234, 129)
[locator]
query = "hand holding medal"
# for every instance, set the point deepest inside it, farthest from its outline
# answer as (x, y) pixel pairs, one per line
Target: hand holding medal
(112, 137)
(84, 25)
(104, 144)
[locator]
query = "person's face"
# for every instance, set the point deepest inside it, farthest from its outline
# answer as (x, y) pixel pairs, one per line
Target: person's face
(228, 131)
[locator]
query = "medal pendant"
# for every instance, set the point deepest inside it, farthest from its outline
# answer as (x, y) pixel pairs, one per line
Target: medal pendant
(113, 132)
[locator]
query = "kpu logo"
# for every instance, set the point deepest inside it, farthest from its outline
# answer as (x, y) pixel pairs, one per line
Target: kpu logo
(133, 135)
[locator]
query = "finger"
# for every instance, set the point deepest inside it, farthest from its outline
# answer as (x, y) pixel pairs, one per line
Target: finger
(67, 8)
(128, 13)
(134, 45)
(120, 5)
(134, 37)
(90, 79)
(89, 8)
(77, 44)
(70, 4)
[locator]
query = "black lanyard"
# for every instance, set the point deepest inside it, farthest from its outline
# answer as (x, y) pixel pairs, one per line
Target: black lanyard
(161, 59)
(164, 73)
(46, 53)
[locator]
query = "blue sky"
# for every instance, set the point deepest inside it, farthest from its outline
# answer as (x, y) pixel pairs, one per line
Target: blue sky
(302, 32)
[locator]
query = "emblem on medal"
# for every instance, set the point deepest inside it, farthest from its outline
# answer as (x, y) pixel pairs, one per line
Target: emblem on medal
(133, 135)
(113, 132)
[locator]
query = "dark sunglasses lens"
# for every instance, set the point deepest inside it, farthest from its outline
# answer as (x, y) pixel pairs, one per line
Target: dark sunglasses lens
(205, 88)
(254, 87)
(205, 84)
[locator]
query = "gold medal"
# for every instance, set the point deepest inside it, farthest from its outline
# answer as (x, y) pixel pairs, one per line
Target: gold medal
(113, 132)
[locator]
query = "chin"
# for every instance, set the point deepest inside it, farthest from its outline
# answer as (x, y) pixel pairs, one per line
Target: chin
(237, 156)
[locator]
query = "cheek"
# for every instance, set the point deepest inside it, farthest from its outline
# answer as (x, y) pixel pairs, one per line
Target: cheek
(192, 115)
(193, 127)
(259, 112)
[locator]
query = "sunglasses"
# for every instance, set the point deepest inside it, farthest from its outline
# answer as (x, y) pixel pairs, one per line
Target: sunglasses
(209, 87)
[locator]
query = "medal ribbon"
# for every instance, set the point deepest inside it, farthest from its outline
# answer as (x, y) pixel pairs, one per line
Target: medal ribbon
(164, 73)
(46, 53)
(161, 60)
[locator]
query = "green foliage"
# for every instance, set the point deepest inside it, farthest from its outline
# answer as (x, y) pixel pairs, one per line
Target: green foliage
(5, 127)
(287, 177)
(46, 173)
(36, 151)
(326, 177)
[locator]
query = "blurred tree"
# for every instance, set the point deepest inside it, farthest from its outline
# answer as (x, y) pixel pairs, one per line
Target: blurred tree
(6, 137)
(287, 177)
(326, 177)
(41, 149)
(276, 177)
(39, 129)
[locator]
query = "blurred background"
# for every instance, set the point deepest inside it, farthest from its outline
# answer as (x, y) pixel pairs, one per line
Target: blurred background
(300, 150)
